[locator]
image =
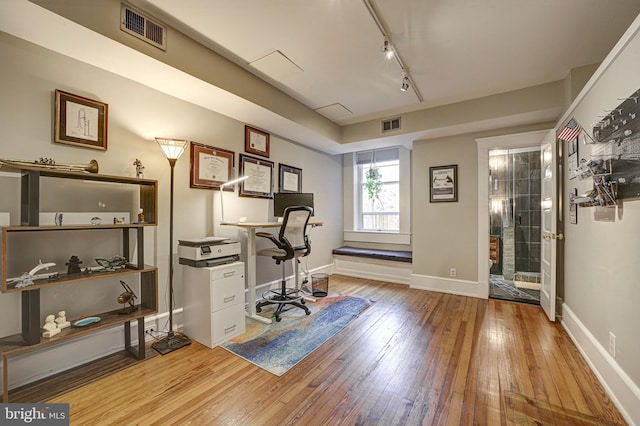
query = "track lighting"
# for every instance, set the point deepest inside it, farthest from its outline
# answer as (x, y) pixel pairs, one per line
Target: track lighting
(405, 84)
(387, 49)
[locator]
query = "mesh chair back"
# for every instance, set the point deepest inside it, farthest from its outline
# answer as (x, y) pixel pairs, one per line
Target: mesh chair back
(294, 226)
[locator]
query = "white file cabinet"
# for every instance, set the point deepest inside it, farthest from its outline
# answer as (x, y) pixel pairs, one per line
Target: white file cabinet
(213, 302)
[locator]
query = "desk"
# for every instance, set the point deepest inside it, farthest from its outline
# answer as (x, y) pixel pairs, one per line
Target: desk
(251, 260)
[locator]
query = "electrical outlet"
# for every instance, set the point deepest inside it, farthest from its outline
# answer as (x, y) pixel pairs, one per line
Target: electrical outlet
(453, 272)
(612, 344)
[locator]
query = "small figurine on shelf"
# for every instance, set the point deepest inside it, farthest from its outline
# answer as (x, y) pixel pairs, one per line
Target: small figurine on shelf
(73, 265)
(50, 327)
(128, 296)
(140, 216)
(61, 320)
(139, 169)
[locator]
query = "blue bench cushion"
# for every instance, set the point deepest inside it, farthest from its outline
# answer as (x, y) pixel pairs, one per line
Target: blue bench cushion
(395, 255)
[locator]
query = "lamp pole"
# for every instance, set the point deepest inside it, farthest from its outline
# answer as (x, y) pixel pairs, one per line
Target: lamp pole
(173, 149)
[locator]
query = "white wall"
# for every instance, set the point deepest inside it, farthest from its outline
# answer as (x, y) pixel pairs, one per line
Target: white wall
(28, 77)
(602, 293)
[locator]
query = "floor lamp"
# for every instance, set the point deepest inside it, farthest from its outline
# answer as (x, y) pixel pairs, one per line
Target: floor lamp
(173, 149)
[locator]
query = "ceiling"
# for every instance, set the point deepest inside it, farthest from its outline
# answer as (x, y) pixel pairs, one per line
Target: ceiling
(453, 50)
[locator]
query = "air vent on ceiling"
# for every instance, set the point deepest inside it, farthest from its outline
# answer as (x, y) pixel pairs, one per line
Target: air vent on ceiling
(142, 27)
(390, 124)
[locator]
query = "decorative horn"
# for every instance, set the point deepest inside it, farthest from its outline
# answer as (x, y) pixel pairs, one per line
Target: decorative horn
(47, 163)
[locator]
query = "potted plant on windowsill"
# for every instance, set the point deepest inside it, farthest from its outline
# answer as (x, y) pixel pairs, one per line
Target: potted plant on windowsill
(373, 183)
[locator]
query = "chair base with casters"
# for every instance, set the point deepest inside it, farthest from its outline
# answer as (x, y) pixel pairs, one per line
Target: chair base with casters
(283, 297)
(291, 243)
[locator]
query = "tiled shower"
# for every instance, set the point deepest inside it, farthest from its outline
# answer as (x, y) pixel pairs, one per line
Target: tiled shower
(515, 187)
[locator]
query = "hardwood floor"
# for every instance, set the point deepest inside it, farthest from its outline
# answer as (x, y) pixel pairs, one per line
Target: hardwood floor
(414, 357)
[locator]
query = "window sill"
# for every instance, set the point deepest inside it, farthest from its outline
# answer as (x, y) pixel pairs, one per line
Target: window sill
(383, 237)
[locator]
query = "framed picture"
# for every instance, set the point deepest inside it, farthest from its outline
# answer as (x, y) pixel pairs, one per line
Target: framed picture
(443, 183)
(290, 178)
(210, 167)
(256, 141)
(80, 121)
(259, 182)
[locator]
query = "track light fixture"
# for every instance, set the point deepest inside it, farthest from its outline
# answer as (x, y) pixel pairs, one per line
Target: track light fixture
(387, 49)
(390, 52)
(405, 84)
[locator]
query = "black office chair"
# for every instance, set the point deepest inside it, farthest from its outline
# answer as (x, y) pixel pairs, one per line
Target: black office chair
(292, 243)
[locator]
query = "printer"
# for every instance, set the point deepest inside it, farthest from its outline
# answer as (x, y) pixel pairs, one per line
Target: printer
(208, 251)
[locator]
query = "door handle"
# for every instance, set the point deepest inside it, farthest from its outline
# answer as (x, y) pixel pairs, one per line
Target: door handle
(549, 236)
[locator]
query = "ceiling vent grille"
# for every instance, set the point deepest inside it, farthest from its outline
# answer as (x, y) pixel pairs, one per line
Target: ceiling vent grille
(390, 124)
(142, 27)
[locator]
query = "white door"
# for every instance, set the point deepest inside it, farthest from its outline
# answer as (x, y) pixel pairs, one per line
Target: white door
(549, 224)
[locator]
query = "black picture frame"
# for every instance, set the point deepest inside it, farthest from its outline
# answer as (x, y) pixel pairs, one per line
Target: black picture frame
(289, 178)
(259, 172)
(443, 184)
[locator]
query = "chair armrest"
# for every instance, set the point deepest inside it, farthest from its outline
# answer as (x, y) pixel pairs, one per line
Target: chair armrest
(270, 237)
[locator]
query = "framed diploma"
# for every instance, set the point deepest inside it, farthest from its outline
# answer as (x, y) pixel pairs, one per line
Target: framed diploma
(256, 141)
(210, 167)
(259, 182)
(290, 178)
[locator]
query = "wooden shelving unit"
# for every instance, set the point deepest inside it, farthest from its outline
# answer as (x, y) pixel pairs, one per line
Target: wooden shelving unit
(29, 339)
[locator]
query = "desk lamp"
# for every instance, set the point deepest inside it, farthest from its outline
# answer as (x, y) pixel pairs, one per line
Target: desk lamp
(229, 183)
(173, 149)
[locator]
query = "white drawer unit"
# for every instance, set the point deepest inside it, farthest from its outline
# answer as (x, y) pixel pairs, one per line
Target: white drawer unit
(213, 302)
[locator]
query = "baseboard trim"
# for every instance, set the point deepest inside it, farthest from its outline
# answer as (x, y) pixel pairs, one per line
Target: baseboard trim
(40, 364)
(373, 269)
(445, 285)
(623, 392)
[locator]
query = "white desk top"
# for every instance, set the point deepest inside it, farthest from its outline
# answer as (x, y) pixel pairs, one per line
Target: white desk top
(264, 224)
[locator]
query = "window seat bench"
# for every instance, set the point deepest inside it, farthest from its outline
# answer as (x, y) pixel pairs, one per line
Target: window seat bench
(394, 255)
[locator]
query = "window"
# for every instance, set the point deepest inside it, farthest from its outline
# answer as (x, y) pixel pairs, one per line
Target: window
(379, 189)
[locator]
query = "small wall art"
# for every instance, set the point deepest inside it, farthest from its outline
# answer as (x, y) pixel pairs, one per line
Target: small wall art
(443, 183)
(80, 121)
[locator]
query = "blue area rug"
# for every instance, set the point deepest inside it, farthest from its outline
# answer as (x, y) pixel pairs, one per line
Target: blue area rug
(278, 346)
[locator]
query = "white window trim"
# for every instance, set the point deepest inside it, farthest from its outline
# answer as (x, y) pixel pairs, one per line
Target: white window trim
(350, 191)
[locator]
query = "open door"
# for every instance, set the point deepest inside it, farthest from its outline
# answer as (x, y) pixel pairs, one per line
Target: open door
(549, 224)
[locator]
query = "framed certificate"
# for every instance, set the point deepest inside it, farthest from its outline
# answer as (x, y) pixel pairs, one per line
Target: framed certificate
(256, 141)
(259, 182)
(290, 178)
(210, 167)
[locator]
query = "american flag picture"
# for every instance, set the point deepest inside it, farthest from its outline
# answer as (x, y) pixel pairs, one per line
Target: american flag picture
(570, 131)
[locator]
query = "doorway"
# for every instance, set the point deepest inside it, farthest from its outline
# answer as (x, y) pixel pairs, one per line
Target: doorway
(515, 224)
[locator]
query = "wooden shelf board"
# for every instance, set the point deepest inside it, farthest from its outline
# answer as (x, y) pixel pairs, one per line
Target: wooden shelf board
(73, 278)
(74, 227)
(76, 377)
(48, 172)
(14, 345)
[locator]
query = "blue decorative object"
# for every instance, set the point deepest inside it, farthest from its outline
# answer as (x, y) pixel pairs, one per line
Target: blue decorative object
(86, 321)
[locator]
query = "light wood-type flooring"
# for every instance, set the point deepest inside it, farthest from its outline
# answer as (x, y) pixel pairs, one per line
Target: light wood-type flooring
(415, 357)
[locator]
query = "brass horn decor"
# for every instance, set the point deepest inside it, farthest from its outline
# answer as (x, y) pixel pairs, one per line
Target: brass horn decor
(48, 163)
